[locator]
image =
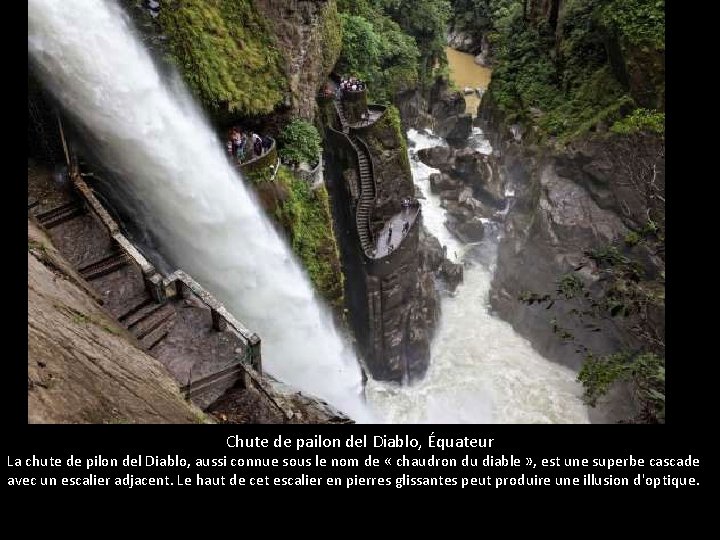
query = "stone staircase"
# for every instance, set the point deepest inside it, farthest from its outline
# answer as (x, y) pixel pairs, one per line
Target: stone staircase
(367, 194)
(149, 322)
(61, 214)
(341, 114)
(367, 183)
(104, 266)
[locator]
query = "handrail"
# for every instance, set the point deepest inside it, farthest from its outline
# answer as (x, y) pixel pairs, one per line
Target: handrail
(361, 126)
(347, 139)
(261, 156)
(380, 266)
(374, 186)
(110, 224)
(175, 285)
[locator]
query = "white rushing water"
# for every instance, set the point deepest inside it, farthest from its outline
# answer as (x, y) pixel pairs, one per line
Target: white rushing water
(185, 190)
(481, 370)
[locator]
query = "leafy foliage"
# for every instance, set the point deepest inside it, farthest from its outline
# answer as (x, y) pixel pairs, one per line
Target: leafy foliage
(426, 21)
(642, 22)
(562, 79)
(380, 53)
(641, 120)
(622, 290)
(646, 372)
(331, 36)
(226, 53)
(300, 143)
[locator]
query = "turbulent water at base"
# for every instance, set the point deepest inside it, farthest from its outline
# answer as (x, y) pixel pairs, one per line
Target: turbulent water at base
(186, 191)
(481, 370)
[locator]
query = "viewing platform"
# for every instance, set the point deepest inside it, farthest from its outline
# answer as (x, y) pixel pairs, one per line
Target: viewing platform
(268, 160)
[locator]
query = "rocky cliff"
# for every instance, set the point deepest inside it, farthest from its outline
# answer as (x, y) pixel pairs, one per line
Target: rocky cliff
(581, 264)
(246, 59)
(307, 33)
(392, 297)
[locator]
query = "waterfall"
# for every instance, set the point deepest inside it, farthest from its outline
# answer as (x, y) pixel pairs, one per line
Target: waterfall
(182, 186)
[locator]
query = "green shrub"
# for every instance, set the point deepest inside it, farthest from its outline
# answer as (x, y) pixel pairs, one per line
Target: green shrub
(646, 372)
(566, 74)
(642, 22)
(641, 120)
(300, 143)
(377, 51)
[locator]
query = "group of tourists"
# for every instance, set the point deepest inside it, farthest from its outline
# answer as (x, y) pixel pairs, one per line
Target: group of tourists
(353, 84)
(244, 146)
(409, 203)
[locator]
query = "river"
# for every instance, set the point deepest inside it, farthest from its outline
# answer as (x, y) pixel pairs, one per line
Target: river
(465, 73)
(481, 370)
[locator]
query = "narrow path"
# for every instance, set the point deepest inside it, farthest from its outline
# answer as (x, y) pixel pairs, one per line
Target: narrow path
(395, 224)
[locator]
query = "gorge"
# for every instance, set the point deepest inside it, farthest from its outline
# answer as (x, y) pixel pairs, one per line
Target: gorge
(406, 271)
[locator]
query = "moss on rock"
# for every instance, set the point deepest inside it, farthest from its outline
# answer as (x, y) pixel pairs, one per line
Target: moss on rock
(227, 54)
(306, 218)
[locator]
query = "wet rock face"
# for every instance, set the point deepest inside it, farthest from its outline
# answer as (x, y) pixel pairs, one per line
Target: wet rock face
(462, 41)
(470, 187)
(412, 106)
(467, 231)
(567, 203)
(445, 102)
(455, 129)
(447, 109)
(299, 28)
(434, 259)
(437, 157)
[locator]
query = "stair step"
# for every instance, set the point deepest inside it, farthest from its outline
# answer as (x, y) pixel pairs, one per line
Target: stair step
(61, 214)
(48, 214)
(134, 308)
(153, 321)
(145, 310)
(153, 338)
(106, 265)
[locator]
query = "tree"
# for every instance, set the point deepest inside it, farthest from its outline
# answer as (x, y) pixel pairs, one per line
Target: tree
(426, 21)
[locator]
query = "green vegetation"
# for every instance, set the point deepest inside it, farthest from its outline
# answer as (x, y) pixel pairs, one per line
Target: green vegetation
(641, 120)
(300, 143)
(226, 52)
(574, 78)
(642, 22)
(394, 45)
(392, 116)
(624, 291)
(305, 215)
(645, 371)
(379, 53)
(37, 246)
(378, 136)
(426, 21)
(472, 15)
